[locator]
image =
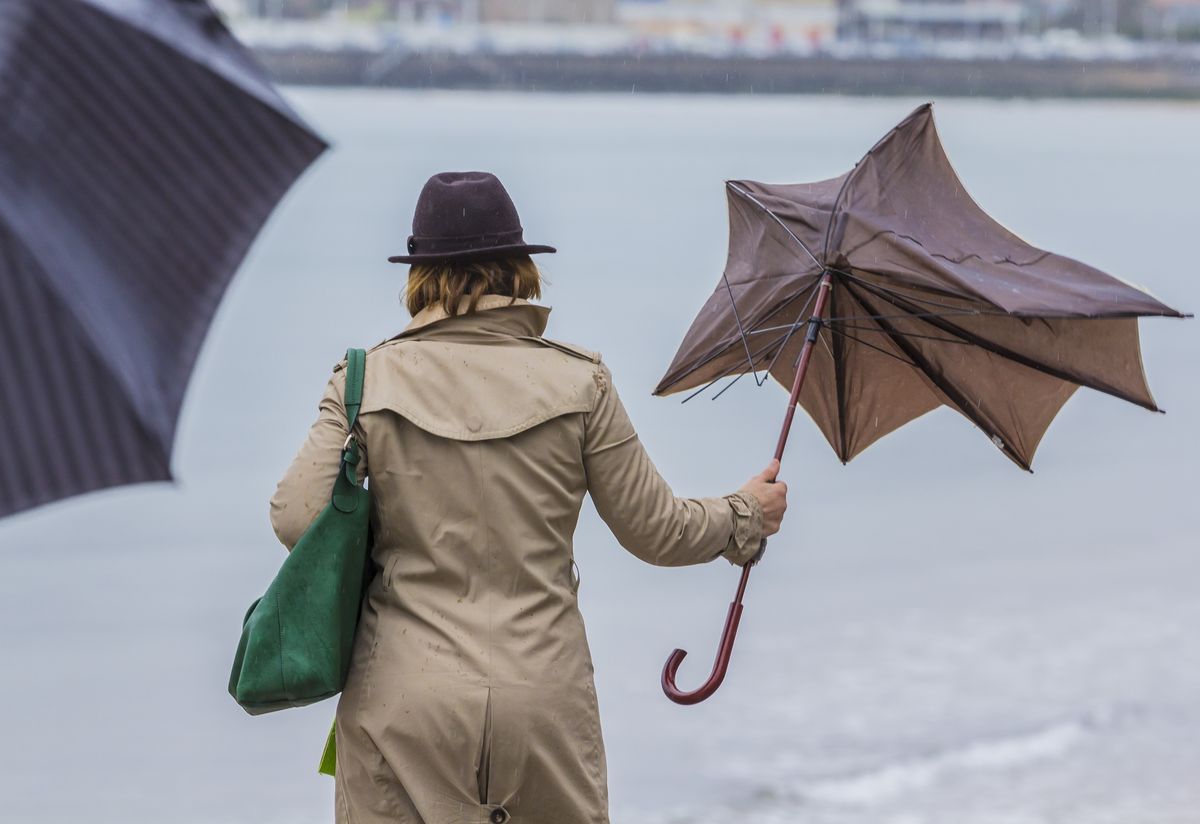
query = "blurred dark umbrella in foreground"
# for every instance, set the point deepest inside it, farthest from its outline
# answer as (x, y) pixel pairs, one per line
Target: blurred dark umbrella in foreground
(141, 150)
(896, 294)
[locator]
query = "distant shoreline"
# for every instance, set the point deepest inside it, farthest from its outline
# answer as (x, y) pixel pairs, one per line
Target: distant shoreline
(1168, 79)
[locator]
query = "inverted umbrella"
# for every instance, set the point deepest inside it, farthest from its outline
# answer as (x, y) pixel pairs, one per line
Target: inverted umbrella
(894, 293)
(141, 150)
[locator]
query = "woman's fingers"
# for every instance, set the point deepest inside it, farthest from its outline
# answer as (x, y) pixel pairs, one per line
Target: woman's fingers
(774, 504)
(771, 495)
(769, 474)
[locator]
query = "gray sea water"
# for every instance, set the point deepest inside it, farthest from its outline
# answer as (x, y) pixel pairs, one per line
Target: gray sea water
(934, 638)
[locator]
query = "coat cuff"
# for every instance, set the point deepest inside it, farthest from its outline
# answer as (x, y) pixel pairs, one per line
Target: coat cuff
(746, 538)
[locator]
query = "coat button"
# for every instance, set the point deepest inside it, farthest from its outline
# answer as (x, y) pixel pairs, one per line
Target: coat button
(498, 816)
(474, 422)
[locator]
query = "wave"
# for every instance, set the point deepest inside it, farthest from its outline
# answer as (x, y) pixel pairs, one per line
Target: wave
(779, 801)
(914, 773)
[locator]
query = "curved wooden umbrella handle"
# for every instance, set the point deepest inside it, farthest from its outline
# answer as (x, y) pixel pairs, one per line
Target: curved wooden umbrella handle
(724, 651)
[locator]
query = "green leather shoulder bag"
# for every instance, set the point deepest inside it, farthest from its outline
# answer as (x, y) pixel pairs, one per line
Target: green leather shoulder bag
(298, 637)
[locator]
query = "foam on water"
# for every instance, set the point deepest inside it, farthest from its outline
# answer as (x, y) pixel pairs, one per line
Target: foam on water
(1002, 752)
(876, 786)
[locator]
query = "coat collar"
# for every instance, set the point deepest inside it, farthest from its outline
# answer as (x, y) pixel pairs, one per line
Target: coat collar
(494, 314)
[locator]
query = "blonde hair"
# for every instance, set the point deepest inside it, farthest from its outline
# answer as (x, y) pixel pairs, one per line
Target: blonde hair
(447, 282)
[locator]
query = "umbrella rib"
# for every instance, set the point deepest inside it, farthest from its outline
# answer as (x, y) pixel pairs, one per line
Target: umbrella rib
(908, 334)
(838, 353)
(878, 349)
(929, 301)
(825, 341)
(903, 316)
(729, 385)
(760, 353)
(774, 217)
(741, 329)
(1017, 357)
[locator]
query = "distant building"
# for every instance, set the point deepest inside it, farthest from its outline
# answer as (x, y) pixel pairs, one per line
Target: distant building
(1174, 19)
(1094, 18)
(759, 25)
(924, 20)
(432, 11)
(508, 11)
(546, 11)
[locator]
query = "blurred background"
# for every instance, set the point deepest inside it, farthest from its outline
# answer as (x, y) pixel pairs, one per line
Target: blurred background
(1011, 47)
(911, 651)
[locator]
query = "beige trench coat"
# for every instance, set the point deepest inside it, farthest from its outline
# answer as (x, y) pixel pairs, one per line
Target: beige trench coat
(470, 696)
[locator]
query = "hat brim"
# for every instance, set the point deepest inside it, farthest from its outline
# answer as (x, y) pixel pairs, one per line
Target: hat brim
(475, 254)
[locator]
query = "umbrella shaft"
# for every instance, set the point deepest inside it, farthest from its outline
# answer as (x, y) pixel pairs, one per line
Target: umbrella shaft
(810, 340)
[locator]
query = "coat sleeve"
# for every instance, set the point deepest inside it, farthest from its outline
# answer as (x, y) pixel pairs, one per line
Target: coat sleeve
(307, 485)
(639, 506)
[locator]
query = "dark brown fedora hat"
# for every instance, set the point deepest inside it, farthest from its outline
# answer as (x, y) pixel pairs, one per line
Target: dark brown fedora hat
(465, 216)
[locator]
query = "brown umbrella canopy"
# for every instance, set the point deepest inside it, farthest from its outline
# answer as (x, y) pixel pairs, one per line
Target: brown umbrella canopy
(932, 302)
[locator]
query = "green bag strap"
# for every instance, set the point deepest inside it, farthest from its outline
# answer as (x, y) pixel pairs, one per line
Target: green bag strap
(347, 480)
(343, 491)
(356, 369)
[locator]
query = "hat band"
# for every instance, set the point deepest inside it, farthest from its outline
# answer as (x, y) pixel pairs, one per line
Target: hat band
(462, 243)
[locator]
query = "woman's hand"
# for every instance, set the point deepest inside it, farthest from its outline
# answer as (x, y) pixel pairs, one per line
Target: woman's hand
(771, 494)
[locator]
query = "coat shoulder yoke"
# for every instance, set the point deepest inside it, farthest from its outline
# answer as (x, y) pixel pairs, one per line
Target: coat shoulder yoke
(480, 391)
(481, 375)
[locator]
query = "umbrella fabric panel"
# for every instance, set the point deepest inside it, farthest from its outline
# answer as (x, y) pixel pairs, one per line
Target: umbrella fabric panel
(1010, 402)
(193, 30)
(65, 430)
(905, 215)
(767, 270)
(797, 218)
(134, 179)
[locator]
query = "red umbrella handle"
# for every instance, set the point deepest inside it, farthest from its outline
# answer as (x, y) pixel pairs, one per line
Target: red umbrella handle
(725, 650)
